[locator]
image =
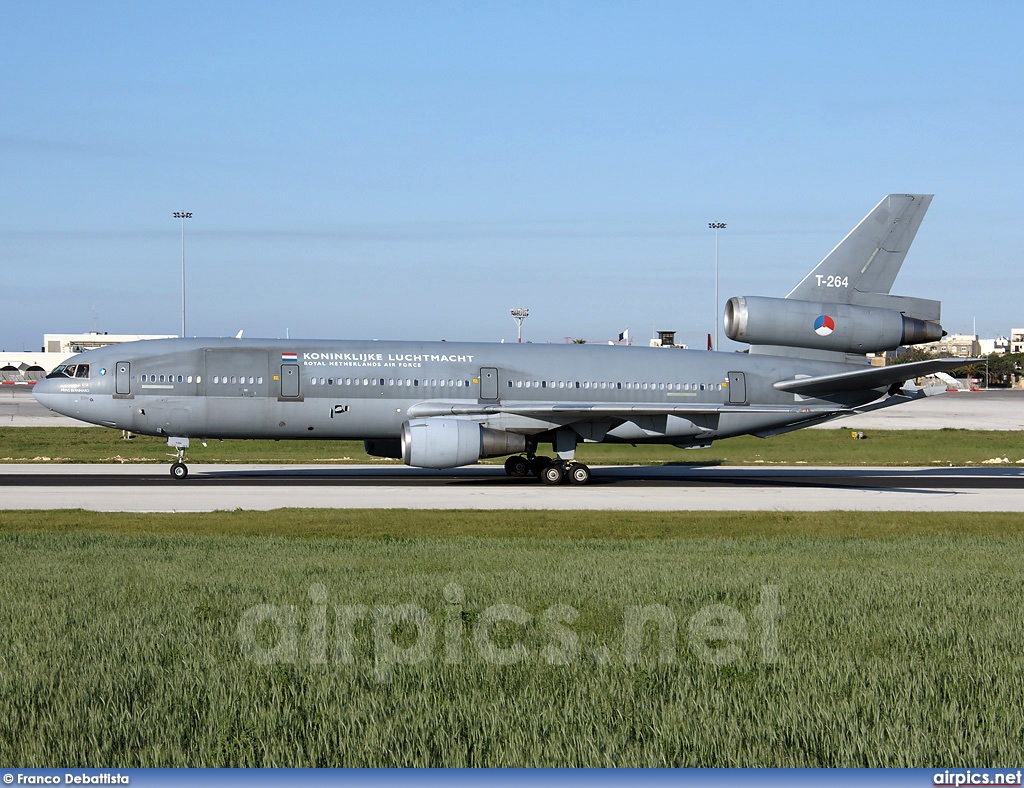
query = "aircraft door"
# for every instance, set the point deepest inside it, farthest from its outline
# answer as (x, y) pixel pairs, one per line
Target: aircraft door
(737, 389)
(488, 383)
(290, 380)
(122, 378)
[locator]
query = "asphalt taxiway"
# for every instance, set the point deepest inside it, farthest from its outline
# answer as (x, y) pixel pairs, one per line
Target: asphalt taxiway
(626, 488)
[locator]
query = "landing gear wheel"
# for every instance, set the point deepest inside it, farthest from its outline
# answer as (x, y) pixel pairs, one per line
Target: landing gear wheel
(179, 470)
(517, 466)
(553, 473)
(579, 473)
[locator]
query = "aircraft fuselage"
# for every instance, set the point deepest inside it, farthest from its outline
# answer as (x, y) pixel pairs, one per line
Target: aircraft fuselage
(242, 388)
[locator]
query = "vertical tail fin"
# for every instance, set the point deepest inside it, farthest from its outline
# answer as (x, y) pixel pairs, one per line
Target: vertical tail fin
(868, 259)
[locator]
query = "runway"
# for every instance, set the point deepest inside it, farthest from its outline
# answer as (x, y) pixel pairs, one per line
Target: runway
(624, 488)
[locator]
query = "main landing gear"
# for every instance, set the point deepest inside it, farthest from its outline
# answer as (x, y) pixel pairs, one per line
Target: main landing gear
(548, 470)
(179, 470)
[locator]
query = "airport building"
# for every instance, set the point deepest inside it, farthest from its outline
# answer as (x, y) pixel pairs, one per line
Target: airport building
(26, 367)
(955, 346)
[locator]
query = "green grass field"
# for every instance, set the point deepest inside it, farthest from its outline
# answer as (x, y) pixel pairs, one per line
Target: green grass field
(814, 447)
(402, 638)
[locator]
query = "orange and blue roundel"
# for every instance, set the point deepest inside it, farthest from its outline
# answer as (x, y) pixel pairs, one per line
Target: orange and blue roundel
(824, 325)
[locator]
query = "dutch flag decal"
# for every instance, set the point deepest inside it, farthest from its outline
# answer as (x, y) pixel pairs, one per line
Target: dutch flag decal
(824, 325)
(289, 357)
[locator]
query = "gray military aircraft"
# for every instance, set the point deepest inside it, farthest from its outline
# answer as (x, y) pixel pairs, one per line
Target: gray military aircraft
(448, 404)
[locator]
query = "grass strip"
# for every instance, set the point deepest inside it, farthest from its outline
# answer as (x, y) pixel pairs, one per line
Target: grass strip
(300, 638)
(484, 524)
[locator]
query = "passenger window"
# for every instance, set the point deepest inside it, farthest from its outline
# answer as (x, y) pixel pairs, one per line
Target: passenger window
(259, 379)
(199, 378)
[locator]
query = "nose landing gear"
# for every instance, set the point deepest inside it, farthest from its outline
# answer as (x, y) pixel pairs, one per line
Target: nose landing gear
(179, 470)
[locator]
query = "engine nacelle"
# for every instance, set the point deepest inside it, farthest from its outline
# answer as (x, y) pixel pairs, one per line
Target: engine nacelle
(844, 328)
(449, 443)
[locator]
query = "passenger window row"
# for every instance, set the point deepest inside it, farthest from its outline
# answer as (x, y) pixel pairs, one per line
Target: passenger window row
(147, 378)
(604, 384)
(223, 379)
(379, 382)
(519, 384)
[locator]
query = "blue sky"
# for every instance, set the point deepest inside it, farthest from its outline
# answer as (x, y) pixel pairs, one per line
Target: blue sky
(414, 170)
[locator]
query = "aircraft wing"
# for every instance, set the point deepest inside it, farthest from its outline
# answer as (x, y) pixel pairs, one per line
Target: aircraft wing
(870, 377)
(601, 410)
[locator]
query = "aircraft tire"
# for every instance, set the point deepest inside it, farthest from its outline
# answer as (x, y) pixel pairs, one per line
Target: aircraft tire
(579, 473)
(517, 466)
(552, 473)
(179, 470)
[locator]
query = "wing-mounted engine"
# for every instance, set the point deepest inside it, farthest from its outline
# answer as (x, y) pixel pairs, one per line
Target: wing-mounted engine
(449, 443)
(843, 328)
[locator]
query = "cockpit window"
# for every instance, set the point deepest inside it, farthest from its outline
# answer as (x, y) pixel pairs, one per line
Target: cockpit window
(70, 371)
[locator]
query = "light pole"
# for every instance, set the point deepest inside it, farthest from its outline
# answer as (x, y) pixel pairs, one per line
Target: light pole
(716, 226)
(183, 215)
(519, 314)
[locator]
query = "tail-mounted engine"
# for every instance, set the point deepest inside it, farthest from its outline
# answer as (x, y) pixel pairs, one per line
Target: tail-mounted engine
(844, 328)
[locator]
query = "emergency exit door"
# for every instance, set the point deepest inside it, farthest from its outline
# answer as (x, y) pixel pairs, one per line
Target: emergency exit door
(123, 378)
(290, 380)
(737, 389)
(488, 383)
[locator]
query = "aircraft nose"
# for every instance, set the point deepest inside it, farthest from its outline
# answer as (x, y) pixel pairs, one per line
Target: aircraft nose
(45, 393)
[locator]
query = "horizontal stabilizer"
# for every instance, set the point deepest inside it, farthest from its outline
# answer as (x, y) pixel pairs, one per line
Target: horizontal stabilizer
(869, 377)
